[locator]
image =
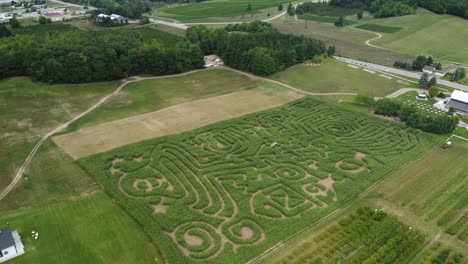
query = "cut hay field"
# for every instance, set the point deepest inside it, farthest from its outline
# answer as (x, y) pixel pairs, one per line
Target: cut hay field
(28, 110)
(427, 33)
(335, 76)
(151, 95)
(217, 8)
(88, 229)
(226, 192)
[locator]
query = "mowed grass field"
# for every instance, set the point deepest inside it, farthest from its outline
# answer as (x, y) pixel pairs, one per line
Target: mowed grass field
(226, 192)
(152, 95)
(28, 110)
(349, 42)
(88, 229)
(441, 36)
(217, 8)
(334, 76)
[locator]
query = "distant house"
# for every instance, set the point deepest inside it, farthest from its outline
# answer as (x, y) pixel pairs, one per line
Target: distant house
(433, 71)
(459, 101)
(10, 244)
(113, 18)
(213, 61)
(54, 15)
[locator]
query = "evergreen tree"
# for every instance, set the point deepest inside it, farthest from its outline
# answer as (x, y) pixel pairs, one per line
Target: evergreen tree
(360, 15)
(429, 61)
(4, 32)
(331, 51)
(14, 23)
(424, 81)
(249, 7)
(280, 7)
(340, 22)
(432, 82)
(291, 10)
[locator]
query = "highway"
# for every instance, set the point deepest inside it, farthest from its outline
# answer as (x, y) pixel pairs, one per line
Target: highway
(414, 75)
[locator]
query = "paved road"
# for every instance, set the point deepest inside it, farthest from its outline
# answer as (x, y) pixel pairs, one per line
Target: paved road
(71, 4)
(171, 24)
(399, 72)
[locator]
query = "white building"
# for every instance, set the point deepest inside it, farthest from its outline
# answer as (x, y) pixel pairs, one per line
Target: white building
(10, 244)
(433, 71)
(459, 101)
(54, 15)
(213, 61)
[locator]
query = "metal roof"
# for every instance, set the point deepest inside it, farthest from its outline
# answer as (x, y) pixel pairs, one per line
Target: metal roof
(6, 238)
(459, 96)
(461, 106)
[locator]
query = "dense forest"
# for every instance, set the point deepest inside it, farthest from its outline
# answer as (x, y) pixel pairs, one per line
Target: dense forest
(80, 56)
(382, 8)
(263, 53)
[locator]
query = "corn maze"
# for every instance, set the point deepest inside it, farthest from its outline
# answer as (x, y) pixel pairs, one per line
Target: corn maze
(228, 191)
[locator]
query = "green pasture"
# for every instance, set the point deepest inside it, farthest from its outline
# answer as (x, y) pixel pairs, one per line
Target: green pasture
(325, 19)
(87, 229)
(440, 36)
(217, 8)
(151, 95)
(334, 76)
(226, 192)
(28, 110)
(379, 28)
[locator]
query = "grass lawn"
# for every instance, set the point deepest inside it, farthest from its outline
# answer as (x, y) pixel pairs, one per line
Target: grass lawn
(325, 19)
(28, 110)
(217, 8)
(334, 76)
(423, 28)
(88, 229)
(151, 95)
(224, 193)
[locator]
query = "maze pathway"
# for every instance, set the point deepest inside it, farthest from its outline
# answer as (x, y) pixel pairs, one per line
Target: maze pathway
(237, 184)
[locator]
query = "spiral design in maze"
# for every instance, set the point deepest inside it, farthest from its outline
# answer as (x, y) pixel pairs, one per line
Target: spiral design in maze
(218, 185)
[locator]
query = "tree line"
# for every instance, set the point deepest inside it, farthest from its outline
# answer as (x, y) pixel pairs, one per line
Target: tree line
(384, 8)
(256, 47)
(380, 8)
(418, 64)
(411, 115)
(80, 56)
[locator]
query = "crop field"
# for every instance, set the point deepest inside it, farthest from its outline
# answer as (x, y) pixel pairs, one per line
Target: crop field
(217, 8)
(335, 76)
(366, 236)
(427, 27)
(227, 192)
(325, 19)
(86, 229)
(379, 28)
(437, 194)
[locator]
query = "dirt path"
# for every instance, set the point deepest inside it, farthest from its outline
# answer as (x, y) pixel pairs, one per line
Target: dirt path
(25, 164)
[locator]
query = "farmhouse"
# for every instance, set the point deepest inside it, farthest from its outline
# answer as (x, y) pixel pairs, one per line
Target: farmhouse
(212, 61)
(459, 101)
(10, 244)
(433, 71)
(112, 17)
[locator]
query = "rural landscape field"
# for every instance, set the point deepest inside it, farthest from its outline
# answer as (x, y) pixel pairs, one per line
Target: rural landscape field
(234, 131)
